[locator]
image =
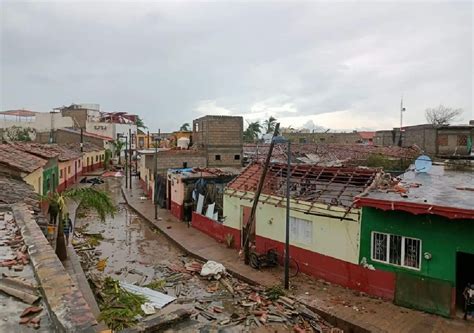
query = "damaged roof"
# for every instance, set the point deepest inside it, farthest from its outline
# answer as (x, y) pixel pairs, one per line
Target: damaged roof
(16, 190)
(87, 147)
(205, 172)
(328, 154)
(19, 159)
(448, 193)
(335, 186)
(65, 153)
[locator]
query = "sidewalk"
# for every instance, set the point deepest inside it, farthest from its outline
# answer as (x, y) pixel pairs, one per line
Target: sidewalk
(344, 307)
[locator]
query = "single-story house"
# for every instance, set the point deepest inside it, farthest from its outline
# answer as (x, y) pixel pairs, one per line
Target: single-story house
(421, 232)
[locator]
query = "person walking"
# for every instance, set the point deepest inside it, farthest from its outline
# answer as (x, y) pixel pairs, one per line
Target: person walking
(469, 300)
(53, 210)
(67, 227)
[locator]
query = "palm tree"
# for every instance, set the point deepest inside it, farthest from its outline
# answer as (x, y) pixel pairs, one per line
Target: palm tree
(184, 127)
(139, 122)
(252, 132)
(270, 124)
(88, 198)
(119, 145)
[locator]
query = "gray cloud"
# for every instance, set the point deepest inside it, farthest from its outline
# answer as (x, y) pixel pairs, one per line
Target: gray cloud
(172, 62)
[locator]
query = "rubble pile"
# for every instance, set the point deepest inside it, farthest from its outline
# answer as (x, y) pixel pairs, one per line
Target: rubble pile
(16, 281)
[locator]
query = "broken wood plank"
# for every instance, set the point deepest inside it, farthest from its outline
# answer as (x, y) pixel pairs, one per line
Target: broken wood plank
(159, 322)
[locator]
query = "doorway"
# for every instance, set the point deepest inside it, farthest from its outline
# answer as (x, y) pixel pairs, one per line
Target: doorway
(464, 275)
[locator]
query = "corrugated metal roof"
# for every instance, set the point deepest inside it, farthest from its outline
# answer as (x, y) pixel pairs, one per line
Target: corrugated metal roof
(159, 300)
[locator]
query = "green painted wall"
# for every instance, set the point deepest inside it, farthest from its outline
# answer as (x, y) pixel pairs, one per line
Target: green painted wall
(440, 236)
(48, 174)
(429, 288)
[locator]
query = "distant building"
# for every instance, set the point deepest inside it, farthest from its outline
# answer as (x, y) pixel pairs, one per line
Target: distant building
(437, 141)
(220, 138)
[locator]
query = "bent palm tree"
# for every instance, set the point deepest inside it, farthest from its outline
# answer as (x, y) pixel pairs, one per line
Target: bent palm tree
(140, 123)
(184, 127)
(87, 197)
(270, 124)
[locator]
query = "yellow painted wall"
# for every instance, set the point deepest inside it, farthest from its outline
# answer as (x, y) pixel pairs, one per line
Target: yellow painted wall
(35, 179)
(331, 236)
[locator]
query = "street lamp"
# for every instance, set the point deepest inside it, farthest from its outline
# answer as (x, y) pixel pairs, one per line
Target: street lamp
(281, 139)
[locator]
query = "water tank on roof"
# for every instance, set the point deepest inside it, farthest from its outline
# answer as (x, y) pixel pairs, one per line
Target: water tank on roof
(183, 143)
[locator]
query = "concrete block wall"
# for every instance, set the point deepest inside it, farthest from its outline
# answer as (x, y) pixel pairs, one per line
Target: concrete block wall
(222, 136)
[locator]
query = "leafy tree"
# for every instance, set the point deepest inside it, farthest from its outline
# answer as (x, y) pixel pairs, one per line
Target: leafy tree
(185, 127)
(88, 198)
(252, 132)
(17, 133)
(270, 124)
(107, 157)
(119, 145)
(442, 115)
(139, 122)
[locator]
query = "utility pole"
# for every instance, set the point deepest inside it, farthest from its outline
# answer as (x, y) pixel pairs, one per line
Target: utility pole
(155, 184)
(126, 162)
(287, 239)
(402, 109)
(130, 169)
(248, 227)
(82, 140)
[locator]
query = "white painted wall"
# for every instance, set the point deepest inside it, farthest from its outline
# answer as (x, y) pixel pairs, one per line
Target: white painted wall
(330, 236)
(41, 122)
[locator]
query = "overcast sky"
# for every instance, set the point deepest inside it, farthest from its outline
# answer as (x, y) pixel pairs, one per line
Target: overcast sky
(338, 65)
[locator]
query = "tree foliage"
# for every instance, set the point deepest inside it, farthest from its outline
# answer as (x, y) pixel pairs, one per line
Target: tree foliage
(119, 145)
(442, 115)
(270, 124)
(139, 122)
(185, 127)
(18, 133)
(252, 132)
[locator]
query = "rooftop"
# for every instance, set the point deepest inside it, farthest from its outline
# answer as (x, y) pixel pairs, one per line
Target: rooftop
(87, 147)
(19, 113)
(65, 153)
(37, 149)
(190, 173)
(15, 191)
(19, 159)
(334, 186)
(88, 134)
(442, 192)
(328, 154)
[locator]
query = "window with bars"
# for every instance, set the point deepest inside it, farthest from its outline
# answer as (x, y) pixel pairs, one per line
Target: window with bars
(396, 250)
(462, 140)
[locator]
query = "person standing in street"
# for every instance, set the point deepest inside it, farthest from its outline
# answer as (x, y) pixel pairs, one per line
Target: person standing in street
(53, 210)
(67, 228)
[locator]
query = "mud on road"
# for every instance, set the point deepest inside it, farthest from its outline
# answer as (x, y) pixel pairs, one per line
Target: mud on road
(127, 248)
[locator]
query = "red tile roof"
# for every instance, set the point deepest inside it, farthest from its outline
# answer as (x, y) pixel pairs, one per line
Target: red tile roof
(19, 159)
(37, 149)
(366, 135)
(87, 147)
(329, 185)
(65, 153)
(91, 135)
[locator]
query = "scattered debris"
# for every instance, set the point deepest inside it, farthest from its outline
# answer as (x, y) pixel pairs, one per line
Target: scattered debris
(212, 269)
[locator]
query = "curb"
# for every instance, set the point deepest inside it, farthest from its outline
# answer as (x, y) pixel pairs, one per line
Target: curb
(345, 324)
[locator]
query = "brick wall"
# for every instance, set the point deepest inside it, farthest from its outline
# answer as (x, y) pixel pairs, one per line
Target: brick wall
(79, 116)
(221, 137)
(339, 138)
(174, 159)
(63, 137)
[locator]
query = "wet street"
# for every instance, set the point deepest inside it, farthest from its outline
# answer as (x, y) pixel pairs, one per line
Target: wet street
(136, 253)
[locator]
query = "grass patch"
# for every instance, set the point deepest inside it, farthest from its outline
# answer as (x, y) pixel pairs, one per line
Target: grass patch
(157, 285)
(274, 292)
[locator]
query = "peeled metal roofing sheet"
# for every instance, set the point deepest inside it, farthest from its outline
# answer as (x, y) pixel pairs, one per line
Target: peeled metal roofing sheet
(159, 300)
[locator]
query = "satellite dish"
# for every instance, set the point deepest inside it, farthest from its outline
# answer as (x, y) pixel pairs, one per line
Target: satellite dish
(423, 164)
